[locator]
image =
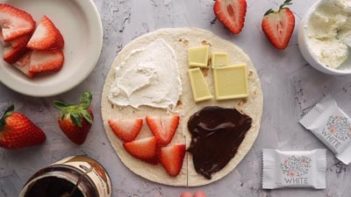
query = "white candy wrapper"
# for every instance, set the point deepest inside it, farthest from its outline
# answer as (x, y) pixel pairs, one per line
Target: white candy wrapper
(332, 126)
(294, 169)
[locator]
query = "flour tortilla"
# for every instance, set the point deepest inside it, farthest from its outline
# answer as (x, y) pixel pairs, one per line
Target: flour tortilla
(181, 39)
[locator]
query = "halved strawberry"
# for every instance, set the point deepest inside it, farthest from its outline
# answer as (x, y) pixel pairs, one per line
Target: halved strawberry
(127, 130)
(163, 128)
(15, 49)
(38, 62)
(278, 26)
(144, 149)
(46, 36)
(14, 22)
(171, 158)
(231, 13)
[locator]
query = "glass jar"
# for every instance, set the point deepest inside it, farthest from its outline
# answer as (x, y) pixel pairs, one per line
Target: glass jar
(77, 176)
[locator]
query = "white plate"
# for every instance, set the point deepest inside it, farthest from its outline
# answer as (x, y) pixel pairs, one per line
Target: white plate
(80, 24)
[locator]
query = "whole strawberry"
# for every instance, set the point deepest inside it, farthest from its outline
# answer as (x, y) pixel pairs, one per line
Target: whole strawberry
(76, 119)
(17, 131)
(278, 26)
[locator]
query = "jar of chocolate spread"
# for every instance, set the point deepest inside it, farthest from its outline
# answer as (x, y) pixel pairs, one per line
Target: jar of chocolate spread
(77, 176)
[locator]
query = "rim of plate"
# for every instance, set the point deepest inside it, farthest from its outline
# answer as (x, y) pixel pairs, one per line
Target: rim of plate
(92, 14)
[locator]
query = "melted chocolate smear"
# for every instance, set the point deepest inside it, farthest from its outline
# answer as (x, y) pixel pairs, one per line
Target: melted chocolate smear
(216, 134)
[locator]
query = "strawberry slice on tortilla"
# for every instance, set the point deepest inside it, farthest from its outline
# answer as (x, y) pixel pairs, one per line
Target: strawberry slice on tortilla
(144, 149)
(46, 36)
(14, 22)
(163, 128)
(126, 130)
(171, 158)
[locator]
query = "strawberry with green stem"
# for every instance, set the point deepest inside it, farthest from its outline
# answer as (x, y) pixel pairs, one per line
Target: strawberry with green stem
(278, 26)
(17, 131)
(76, 119)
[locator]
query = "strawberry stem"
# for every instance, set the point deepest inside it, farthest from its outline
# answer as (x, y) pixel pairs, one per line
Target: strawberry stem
(76, 112)
(286, 3)
(5, 114)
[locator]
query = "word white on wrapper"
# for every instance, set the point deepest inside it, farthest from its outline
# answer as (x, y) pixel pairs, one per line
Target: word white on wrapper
(294, 169)
(332, 126)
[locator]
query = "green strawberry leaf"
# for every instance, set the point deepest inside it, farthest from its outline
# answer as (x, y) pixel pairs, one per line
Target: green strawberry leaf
(60, 105)
(5, 113)
(86, 115)
(269, 12)
(76, 119)
(85, 99)
(286, 3)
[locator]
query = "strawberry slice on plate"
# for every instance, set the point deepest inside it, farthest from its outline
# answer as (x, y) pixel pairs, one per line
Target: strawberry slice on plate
(15, 49)
(40, 62)
(231, 13)
(171, 158)
(14, 22)
(278, 26)
(46, 36)
(163, 128)
(144, 149)
(127, 130)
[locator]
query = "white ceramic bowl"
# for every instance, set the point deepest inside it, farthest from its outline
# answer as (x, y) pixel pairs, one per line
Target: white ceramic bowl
(81, 27)
(309, 56)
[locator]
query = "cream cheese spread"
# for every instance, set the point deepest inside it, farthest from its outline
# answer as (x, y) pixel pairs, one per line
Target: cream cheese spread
(329, 32)
(148, 76)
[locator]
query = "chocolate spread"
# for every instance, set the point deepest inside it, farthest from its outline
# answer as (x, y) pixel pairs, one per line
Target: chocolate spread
(216, 136)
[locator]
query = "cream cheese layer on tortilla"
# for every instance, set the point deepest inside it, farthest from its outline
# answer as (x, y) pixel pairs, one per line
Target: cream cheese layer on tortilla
(180, 39)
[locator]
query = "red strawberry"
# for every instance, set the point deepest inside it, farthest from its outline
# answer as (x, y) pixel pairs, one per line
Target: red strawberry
(17, 131)
(46, 36)
(144, 149)
(163, 128)
(171, 158)
(278, 26)
(15, 22)
(38, 62)
(16, 48)
(75, 120)
(126, 130)
(231, 13)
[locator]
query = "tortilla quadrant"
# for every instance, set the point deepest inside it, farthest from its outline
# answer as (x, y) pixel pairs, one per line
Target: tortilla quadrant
(180, 39)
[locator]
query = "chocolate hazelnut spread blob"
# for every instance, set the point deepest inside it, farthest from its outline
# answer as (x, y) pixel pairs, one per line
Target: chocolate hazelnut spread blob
(216, 134)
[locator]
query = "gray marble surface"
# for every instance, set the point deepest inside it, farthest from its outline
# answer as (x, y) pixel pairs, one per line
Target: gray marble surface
(290, 88)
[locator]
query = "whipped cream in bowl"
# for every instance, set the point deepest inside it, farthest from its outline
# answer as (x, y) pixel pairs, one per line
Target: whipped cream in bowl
(148, 76)
(325, 36)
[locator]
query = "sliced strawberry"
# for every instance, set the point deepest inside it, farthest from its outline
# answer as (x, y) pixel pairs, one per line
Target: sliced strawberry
(231, 13)
(14, 22)
(46, 36)
(16, 48)
(171, 158)
(163, 128)
(23, 65)
(278, 26)
(144, 149)
(127, 130)
(2, 41)
(39, 62)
